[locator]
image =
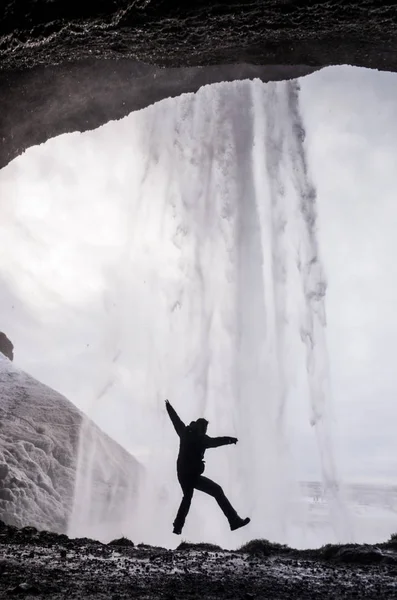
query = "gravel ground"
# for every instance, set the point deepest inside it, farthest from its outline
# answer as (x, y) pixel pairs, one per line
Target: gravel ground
(47, 565)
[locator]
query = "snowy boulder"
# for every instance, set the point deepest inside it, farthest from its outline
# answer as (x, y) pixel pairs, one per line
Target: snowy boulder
(49, 474)
(6, 346)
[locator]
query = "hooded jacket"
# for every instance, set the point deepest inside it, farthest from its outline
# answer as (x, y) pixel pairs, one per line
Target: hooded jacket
(192, 446)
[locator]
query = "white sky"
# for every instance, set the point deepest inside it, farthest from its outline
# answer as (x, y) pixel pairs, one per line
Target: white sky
(351, 117)
(351, 125)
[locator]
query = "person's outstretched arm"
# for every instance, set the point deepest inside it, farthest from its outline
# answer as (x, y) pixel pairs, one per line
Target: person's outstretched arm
(176, 421)
(219, 441)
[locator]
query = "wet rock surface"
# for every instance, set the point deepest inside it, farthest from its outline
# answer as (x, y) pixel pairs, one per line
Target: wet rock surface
(43, 564)
(67, 67)
(46, 101)
(6, 346)
(172, 33)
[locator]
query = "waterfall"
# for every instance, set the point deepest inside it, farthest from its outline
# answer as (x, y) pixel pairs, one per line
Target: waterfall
(190, 230)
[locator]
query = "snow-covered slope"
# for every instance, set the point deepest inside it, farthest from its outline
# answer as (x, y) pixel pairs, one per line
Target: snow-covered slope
(39, 443)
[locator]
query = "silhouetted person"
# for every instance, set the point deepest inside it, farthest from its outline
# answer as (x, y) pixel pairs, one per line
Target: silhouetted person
(194, 441)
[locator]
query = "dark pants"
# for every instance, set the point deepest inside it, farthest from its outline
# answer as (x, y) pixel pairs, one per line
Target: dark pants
(203, 484)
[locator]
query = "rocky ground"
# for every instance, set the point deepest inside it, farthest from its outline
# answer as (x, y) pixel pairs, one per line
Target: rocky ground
(47, 565)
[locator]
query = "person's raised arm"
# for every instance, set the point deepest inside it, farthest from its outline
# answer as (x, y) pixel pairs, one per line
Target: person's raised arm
(219, 441)
(176, 421)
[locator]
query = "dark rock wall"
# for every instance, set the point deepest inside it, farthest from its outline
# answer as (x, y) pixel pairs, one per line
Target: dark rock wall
(43, 102)
(175, 33)
(6, 346)
(68, 66)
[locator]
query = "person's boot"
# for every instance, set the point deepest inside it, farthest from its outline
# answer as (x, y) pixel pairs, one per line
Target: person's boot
(239, 522)
(177, 529)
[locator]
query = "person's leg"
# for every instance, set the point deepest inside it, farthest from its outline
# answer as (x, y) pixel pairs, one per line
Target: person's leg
(183, 508)
(213, 489)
